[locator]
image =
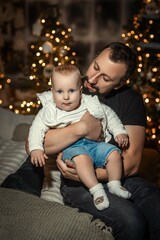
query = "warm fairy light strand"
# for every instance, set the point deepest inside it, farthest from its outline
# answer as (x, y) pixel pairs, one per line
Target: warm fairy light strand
(51, 48)
(147, 76)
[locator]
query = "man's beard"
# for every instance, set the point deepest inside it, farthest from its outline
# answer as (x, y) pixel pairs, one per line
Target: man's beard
(86, 90)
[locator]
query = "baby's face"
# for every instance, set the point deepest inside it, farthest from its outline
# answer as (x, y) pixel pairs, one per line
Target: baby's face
(66, 91)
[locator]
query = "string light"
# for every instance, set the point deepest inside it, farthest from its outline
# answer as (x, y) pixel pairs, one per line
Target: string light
(144, 39)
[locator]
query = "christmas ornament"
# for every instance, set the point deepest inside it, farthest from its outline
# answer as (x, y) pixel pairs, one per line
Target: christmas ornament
(19, 41)
(158, 106)
(62, 51)
(149, 75)
(19, 20)
(1, 39)
(8, 12)
(37, 28)
(24, 95)
(47, 71)
(1, 66)
(47, 47)
(152, 8)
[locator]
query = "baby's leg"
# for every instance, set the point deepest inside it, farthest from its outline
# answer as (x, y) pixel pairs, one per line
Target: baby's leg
(86, 173)
(114, 170)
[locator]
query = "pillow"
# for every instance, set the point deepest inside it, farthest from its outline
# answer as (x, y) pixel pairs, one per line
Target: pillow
(12, 155)
(13, 132)
(21, 132)
(9, 120)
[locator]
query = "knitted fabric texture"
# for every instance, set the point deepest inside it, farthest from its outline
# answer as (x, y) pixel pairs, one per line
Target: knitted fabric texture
(24, 216)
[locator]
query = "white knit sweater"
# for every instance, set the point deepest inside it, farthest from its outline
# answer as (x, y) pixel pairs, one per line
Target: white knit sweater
(52, 117)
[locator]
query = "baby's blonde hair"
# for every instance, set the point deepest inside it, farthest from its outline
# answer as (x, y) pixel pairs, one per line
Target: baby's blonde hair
(67, 69)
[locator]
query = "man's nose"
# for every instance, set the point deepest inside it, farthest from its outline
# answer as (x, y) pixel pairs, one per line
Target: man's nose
(93, 79)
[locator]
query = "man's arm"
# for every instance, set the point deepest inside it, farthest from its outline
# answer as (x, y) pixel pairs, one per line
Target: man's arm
(131, 157)
(58, 139)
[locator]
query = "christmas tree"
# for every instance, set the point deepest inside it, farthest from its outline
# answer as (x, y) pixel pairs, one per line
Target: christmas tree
(12, 45)
(52, 45)
(143, 35)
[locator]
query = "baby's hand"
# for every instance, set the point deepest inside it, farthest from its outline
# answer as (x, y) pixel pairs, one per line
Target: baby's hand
(38, 157)
(122, 140)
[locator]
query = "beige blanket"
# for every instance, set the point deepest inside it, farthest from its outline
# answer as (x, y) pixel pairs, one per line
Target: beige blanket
(27, 217)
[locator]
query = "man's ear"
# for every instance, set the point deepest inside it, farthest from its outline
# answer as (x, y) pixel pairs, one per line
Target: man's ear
(81, 88)
(119, 85)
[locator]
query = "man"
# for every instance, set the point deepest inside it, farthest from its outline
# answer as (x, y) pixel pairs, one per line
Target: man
(134, 219)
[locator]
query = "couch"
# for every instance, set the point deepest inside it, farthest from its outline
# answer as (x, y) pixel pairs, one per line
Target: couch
(24, 216)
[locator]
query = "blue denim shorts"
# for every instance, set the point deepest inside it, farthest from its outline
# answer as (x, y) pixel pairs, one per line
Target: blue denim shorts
(97, 151)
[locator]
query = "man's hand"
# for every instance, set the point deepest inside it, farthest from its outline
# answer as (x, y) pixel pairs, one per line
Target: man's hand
(38, 157)
(67, 168)
(93, 127)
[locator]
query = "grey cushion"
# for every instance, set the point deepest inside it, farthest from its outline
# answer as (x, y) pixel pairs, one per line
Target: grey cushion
(20, 132)
(24, 216)
(9, 120)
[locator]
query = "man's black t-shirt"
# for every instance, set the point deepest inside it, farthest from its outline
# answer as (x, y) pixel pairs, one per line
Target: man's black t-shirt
(128, 105)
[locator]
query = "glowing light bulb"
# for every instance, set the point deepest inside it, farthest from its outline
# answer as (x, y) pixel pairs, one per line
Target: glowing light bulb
(153, 136)
(57, 39)
(152, 36)
(147, 100)
(153, 80)
(154, 69)
(149, 119)
(8, 81)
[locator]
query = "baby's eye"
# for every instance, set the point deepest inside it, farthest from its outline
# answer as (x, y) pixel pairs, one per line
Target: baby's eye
(72, 90)
(59, 91)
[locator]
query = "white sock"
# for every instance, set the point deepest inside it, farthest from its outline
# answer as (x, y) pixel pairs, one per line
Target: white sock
(116, 188)
(99, 196)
